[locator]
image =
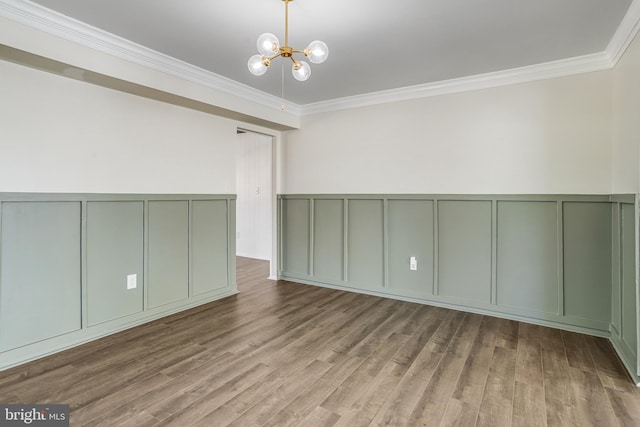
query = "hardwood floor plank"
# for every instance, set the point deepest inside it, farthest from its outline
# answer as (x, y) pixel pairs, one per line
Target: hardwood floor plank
(626, 408)
(577, 351)
(506, 331)
(278, 398)
(471, 384)
(213, 397)
(342, 398)
(529, 356)
(560, 401)
(459, 414)
(497, 401)
(320, 417)
(304, 404)
(529, 408)
(400, 404)
(433, 401)
(594, 408)
(96, 409)
(375, 393)
(286, 354)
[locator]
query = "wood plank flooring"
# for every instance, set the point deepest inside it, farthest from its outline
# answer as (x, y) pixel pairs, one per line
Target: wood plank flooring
(285, 354)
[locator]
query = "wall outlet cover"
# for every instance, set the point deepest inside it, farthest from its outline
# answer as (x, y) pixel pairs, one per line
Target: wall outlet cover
(132, 281)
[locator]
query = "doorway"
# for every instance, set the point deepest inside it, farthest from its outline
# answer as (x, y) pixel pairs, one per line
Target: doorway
(255, 194)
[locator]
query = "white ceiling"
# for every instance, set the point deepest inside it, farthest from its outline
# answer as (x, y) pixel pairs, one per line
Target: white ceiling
(374, 45)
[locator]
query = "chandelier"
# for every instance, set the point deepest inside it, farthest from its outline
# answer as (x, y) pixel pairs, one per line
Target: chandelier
(269, 48)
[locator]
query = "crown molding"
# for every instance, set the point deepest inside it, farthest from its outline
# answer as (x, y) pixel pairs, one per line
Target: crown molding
(51, 22)
(625, 33)
(548, 70)
(67, 28)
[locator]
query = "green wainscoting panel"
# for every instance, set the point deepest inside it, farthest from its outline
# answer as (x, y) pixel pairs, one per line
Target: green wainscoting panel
(464, 250)
(209, 263)
(365, 243)
(616, 274)
(410, 230)
(587, 260)
(328, 241)
(628, 257)
(40, 283)
(115, 250)
(168, 252)
(528, 271)
(295, 235)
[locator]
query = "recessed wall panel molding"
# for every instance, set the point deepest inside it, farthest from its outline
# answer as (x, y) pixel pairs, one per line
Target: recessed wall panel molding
(296, 235)
(624, 291)
(464, 250)
(365, 254)
(528, 256)
(209, 246)
(40, 293)
(587, 260)
(411, 238)
(628, 279)
(115, 259)
(76, 267)
(328, 240)
(168, 252)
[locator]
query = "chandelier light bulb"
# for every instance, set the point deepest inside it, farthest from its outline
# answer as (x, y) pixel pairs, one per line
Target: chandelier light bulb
(301, 71)
(268, 45)
(317, 52)
(257, 65)
(269, 48)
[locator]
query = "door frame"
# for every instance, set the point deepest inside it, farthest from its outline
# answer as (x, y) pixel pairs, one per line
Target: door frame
(276, 144)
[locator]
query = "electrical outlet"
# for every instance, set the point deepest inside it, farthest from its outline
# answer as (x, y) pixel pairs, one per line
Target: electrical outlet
(132, 280)
(413, 263)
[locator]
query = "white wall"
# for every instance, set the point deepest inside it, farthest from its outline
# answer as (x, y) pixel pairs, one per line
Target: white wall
(62, 135)
(626, 121)
(550, 137)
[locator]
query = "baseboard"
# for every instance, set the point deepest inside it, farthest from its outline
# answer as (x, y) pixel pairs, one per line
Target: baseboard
(619, 348)
(452, 306)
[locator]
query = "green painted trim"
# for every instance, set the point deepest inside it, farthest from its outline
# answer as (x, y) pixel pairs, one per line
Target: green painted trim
(84, 276)
(102, 197)
(463, 197)
(637, 274)
(622, 198)
(312, 235)
(232, 282)
(560, 256)
(623, 353)
(494, 253)
(435, 288)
